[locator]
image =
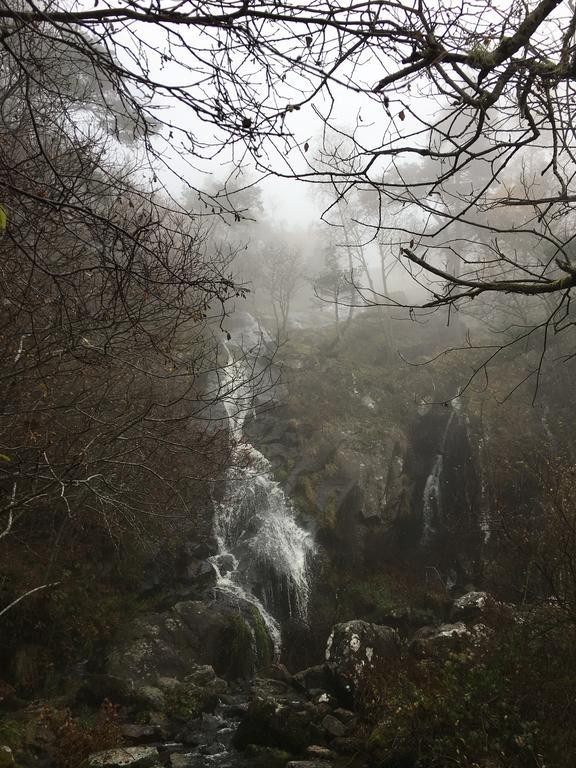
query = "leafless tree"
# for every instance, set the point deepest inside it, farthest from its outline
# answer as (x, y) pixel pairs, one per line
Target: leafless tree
(463, 118)
(483, 88)
(113, 304)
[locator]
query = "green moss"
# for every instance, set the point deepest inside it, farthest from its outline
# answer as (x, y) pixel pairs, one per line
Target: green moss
(185, 701)
(370, 599)
(329, 515)
(235, 656)
(281, 475)
(309, 492)
(480, 56)
(268, 725)
(264, 648)
(267, 757)
(14, 733)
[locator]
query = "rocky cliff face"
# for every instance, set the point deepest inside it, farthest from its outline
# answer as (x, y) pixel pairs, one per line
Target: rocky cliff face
(392, 469)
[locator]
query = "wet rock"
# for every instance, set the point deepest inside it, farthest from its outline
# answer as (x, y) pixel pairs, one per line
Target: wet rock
(267, 757)
(480, 607)
(217, 748)
(442, 640)
(149, 697)
(201, 675)
(225, 563)
(175, 642)
(333, 726)
(355, 648)
(278, 690)
(280, 672)
(344, 715)
(142, 734)
(134, 757)
(180, 760)
(315, 679)
(200, 550)
(269, 724)
(200, 730)
(308, 764)
(320, 753)
(203, 574)
(347, 745)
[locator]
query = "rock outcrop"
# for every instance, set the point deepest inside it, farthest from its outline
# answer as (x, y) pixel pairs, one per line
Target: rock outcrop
(355, 648)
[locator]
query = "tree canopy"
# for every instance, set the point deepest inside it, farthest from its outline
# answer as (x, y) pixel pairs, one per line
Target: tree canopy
(448, 103)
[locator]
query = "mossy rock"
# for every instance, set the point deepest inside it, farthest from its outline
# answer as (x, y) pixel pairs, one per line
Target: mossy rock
(264, 645)
(235, 657)
(268, 725)
(187, 701)
(267, 757)
(15, 733)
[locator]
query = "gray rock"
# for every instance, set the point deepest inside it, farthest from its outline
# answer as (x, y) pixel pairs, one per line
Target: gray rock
(279, 690)
(150, 697)
(280, 672)
(344, 715)
(355, 648)
(333, 726)
(442, 640)
(348, 745)
(142, 734)
(317, 752)
(217, 748)
(202, 573)
(318, 678)
(480, 607)
(135, 757)
(225, 563)
(201, 675)
(180, 761)
(201, 730)
(308, 764)
(173, 644)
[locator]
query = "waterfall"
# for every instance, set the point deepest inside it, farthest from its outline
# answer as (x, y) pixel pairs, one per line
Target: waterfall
(432, 497)
(263, 553)
(485, 517)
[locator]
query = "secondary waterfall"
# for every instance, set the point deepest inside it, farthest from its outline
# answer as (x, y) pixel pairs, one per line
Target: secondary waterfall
(432, 496)
(263, 553)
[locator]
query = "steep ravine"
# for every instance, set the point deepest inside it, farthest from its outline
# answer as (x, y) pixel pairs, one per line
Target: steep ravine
(353, 514)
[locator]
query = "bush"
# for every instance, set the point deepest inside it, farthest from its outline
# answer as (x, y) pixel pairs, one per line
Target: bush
(72, 740)
(509, 704)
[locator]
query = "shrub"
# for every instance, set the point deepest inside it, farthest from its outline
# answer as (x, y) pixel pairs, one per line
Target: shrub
(509, 704)
(72, 740)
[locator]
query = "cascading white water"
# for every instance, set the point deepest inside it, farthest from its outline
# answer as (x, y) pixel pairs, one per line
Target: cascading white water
(263, 553)
(484, 514)
(432, 496)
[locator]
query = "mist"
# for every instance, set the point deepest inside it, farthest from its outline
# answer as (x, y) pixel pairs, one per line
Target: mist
(287, 435)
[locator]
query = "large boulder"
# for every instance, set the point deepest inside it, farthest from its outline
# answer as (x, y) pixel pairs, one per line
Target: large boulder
(172, 644)
(356, 648)
(270, 724)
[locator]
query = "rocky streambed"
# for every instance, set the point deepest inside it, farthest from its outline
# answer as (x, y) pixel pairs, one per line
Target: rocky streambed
(177, 704)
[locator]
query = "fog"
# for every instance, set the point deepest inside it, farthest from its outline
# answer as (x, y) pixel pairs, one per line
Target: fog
(287, 432)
